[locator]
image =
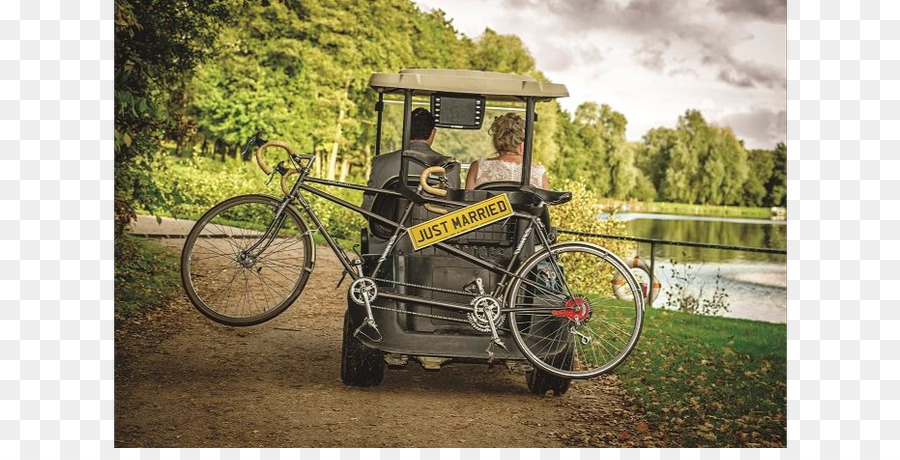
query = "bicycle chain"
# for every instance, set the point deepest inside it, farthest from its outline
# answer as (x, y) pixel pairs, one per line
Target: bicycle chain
(430, 288)
(426, 315)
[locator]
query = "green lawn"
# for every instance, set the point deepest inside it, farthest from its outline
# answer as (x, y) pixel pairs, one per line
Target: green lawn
(700, 210)
(710, 381)
(147, 275)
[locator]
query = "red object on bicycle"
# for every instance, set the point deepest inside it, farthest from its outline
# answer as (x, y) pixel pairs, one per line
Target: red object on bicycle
(577, 308)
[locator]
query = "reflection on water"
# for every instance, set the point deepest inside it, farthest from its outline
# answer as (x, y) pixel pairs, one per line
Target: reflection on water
(755, 282)
(714, 230)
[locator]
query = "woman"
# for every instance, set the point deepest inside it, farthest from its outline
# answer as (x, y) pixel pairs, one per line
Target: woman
(508, 137)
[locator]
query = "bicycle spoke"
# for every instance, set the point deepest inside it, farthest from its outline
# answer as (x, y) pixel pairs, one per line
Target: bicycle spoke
(249, 290)
(564, 303)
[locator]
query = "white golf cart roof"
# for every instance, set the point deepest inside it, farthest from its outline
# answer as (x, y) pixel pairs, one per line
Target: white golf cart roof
(494, 86)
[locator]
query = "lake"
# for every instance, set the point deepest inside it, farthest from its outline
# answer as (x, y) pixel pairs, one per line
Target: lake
(756, 283)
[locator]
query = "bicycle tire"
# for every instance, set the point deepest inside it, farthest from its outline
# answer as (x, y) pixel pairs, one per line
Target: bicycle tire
(566, 308)
(223, 234)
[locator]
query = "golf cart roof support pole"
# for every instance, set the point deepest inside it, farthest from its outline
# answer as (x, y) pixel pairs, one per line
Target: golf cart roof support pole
(407, 122)
(529, 140)
(379, 107)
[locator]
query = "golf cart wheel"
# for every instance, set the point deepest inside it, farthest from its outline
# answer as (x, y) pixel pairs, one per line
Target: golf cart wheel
(361, 366)
(540, 382)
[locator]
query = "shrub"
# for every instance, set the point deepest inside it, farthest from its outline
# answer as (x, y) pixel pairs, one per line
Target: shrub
(580, 214)
(197, 184)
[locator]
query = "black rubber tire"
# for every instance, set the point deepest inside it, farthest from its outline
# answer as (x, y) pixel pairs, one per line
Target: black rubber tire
(520, 322)
(540, 382)
(187, 251)
(361, 366)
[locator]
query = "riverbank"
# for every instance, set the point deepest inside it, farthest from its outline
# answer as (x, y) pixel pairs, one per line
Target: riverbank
(710, 381)
(685, 209)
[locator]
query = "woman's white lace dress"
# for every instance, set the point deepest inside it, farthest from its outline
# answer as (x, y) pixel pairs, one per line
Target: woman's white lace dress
(499, 171)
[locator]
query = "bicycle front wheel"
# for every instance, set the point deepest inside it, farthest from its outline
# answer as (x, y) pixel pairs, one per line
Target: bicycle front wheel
(237, 274)
(564, 304)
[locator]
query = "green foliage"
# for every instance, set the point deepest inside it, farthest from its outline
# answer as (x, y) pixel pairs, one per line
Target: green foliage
(199, 183)
(501, 53)
(188, 73)
(157, 44)
(711, 381)
(702, 163)
(762, 164)
(146, 275)
(777, 183)
(580, 215)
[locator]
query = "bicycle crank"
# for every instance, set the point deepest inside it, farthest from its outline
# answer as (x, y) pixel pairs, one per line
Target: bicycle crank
(363, 291)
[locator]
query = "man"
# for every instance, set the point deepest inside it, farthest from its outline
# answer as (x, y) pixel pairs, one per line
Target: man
(387, 166)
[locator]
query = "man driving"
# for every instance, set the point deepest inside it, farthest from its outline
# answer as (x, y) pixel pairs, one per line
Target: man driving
(387, 166)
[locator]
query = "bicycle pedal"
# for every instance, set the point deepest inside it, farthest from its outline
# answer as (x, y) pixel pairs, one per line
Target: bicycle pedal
(361, 330)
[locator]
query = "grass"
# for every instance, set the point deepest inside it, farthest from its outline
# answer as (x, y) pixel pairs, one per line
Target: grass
(146, 277)
(710, 381)
(685, 209)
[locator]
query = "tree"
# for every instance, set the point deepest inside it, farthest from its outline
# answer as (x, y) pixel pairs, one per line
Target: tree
(706, 163)
(777, 184)
(157, 45)
(761, 163)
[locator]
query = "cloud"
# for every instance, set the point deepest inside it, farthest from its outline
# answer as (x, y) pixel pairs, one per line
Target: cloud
(555, 56)
(760, 128)
(650, 55)
(747, 74)
(767, 10)
(711, 33)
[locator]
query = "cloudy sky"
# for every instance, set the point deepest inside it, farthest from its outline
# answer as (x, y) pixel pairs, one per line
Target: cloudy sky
(652, 59)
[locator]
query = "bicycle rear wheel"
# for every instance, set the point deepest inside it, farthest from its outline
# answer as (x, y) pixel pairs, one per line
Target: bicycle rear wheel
(569, 307)
(233, 282)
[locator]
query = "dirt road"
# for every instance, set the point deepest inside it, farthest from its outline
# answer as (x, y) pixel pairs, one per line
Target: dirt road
(185, 381)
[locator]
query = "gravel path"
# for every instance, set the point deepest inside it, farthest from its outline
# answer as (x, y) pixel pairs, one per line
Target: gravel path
(185, 381)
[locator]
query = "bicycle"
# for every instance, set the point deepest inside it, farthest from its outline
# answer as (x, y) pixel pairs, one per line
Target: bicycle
(249, 258)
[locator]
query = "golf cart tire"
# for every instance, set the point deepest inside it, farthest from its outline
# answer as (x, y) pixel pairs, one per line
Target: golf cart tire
(361, 366)
(540, 382)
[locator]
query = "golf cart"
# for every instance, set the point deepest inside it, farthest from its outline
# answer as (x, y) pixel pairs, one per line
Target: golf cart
(421, 330)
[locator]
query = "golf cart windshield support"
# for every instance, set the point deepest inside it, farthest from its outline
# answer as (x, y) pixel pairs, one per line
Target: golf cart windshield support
(407, 122)
(529, 141)
(379, 107)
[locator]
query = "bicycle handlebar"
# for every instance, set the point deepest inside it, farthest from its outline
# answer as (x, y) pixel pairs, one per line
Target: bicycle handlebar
(285, 186)
(287, 172)
(423, 180)
(262, 163)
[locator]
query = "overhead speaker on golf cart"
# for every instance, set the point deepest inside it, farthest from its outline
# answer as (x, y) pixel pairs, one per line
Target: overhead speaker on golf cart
(457, 111)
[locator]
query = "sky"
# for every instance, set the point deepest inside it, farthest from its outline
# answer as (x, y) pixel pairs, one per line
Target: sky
(652, 59)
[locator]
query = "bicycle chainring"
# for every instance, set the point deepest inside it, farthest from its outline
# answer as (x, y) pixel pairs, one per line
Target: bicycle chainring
(363, 285)
(485, 308)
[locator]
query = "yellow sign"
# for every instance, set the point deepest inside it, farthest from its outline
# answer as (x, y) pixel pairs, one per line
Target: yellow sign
(460, 221)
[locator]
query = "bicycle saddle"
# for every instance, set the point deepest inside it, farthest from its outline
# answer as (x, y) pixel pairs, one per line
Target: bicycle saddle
(535, 195)
(547, 196)
(428, 158)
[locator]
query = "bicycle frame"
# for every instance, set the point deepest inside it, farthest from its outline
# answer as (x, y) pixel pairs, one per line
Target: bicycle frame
(399, 227)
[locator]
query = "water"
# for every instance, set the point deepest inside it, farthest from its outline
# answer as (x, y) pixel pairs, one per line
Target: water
(756, 283)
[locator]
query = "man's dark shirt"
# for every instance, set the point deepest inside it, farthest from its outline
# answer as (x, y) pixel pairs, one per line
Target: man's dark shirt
(387, 166)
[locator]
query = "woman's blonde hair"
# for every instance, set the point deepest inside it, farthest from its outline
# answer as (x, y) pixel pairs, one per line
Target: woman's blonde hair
(508, 131)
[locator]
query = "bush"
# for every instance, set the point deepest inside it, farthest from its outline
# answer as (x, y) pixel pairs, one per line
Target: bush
(580, 214)
(195, 185)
